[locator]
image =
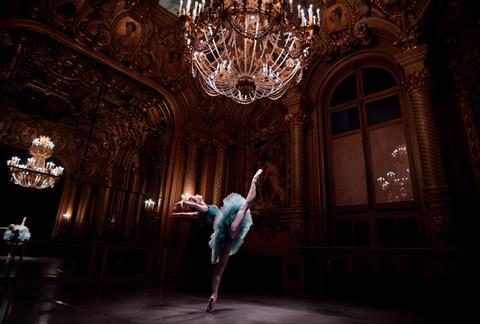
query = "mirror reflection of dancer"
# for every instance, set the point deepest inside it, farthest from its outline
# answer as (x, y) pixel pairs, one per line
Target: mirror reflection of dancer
(230, 227)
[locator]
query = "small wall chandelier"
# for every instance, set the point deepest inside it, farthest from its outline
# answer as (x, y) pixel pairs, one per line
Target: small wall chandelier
(250, 49)
(149, 204)
(37, 172)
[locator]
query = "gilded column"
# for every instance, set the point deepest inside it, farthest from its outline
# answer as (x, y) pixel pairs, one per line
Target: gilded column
(189, 185)
(83, 204)
(435, 191)
(208, 166)
(132, 203)
(65, 209)
(470, 129)
(161, 173)
(103, 205)
(191, 171)
(296, 119)
(219, 179)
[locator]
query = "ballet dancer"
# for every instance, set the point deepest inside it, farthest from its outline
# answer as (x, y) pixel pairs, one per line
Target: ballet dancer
(231, 224)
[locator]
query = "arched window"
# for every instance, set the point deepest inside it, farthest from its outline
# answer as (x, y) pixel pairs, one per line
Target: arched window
(371, 192)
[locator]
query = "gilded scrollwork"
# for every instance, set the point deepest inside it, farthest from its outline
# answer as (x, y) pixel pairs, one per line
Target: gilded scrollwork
(137, 34)
(56, 91)
(417, 80)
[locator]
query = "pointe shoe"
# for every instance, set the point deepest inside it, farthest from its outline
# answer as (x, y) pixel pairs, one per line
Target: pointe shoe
(257, 174)
(211, 303)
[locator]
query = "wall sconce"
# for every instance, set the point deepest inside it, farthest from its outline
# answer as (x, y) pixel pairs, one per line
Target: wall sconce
(149, 204)
(66, 216)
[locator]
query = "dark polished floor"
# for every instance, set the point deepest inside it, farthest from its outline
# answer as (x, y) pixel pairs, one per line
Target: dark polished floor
(145, 303)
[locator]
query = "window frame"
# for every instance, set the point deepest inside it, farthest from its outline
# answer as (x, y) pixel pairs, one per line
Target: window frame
(371, 212)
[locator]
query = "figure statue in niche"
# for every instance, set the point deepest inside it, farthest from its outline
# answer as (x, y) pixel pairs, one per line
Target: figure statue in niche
(231, 224)
(271, 158)
(273, 176)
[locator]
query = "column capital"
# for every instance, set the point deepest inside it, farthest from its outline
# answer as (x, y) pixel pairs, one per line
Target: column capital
(294, 101)
(296, 119)
(222, 140)
(416, 80)
(192, 138)
(209, 148)
(412, 60)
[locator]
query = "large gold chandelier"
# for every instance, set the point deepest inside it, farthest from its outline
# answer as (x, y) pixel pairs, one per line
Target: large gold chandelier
(248, 49)
(37, 172)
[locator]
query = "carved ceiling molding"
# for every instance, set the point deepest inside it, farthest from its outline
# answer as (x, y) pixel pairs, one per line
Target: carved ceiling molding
(139, 34)
(56, 88)
(63, 40)
(349, 24)
(146, 39)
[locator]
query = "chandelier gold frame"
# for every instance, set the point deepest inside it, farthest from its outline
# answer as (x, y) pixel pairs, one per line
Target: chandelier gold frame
(250, 49)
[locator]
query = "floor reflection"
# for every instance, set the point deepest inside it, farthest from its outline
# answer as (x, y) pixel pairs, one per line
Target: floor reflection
(146, 303)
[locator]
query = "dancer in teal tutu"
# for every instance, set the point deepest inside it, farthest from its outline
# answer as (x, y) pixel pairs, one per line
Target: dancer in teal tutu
(230, 226)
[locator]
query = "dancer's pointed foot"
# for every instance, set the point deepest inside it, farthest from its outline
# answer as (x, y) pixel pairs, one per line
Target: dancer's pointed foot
(257, 174)
(211, 303)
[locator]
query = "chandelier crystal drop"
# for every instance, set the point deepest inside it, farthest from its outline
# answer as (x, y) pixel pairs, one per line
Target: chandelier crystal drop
(248, 49)
(37, 173)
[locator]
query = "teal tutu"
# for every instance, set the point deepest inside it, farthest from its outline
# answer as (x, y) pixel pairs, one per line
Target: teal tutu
(221, 226)
(20, 234)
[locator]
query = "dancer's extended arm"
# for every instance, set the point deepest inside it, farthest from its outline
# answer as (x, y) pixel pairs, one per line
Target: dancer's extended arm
(196, 213)
(198, 207)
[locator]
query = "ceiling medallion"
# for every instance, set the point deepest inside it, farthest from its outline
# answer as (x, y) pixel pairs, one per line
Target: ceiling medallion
(248, 50)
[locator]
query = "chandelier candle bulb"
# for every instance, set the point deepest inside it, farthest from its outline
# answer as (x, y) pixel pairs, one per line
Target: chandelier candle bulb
(194, 11)
(310, 14)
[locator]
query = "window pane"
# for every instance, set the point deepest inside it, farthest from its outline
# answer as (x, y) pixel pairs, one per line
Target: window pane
(349, 171)
(375, 80)
(362, 233)
(390, 164)
(344, 233)
(345, 91)
(407, 232)
(383, 110)
(345, 120)
(386, 232)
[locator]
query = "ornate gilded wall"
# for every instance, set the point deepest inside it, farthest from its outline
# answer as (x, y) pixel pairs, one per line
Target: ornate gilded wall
(108, 82)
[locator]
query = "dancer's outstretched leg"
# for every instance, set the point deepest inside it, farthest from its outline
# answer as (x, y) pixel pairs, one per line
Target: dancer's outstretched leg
(217, 275)
(252, 193)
